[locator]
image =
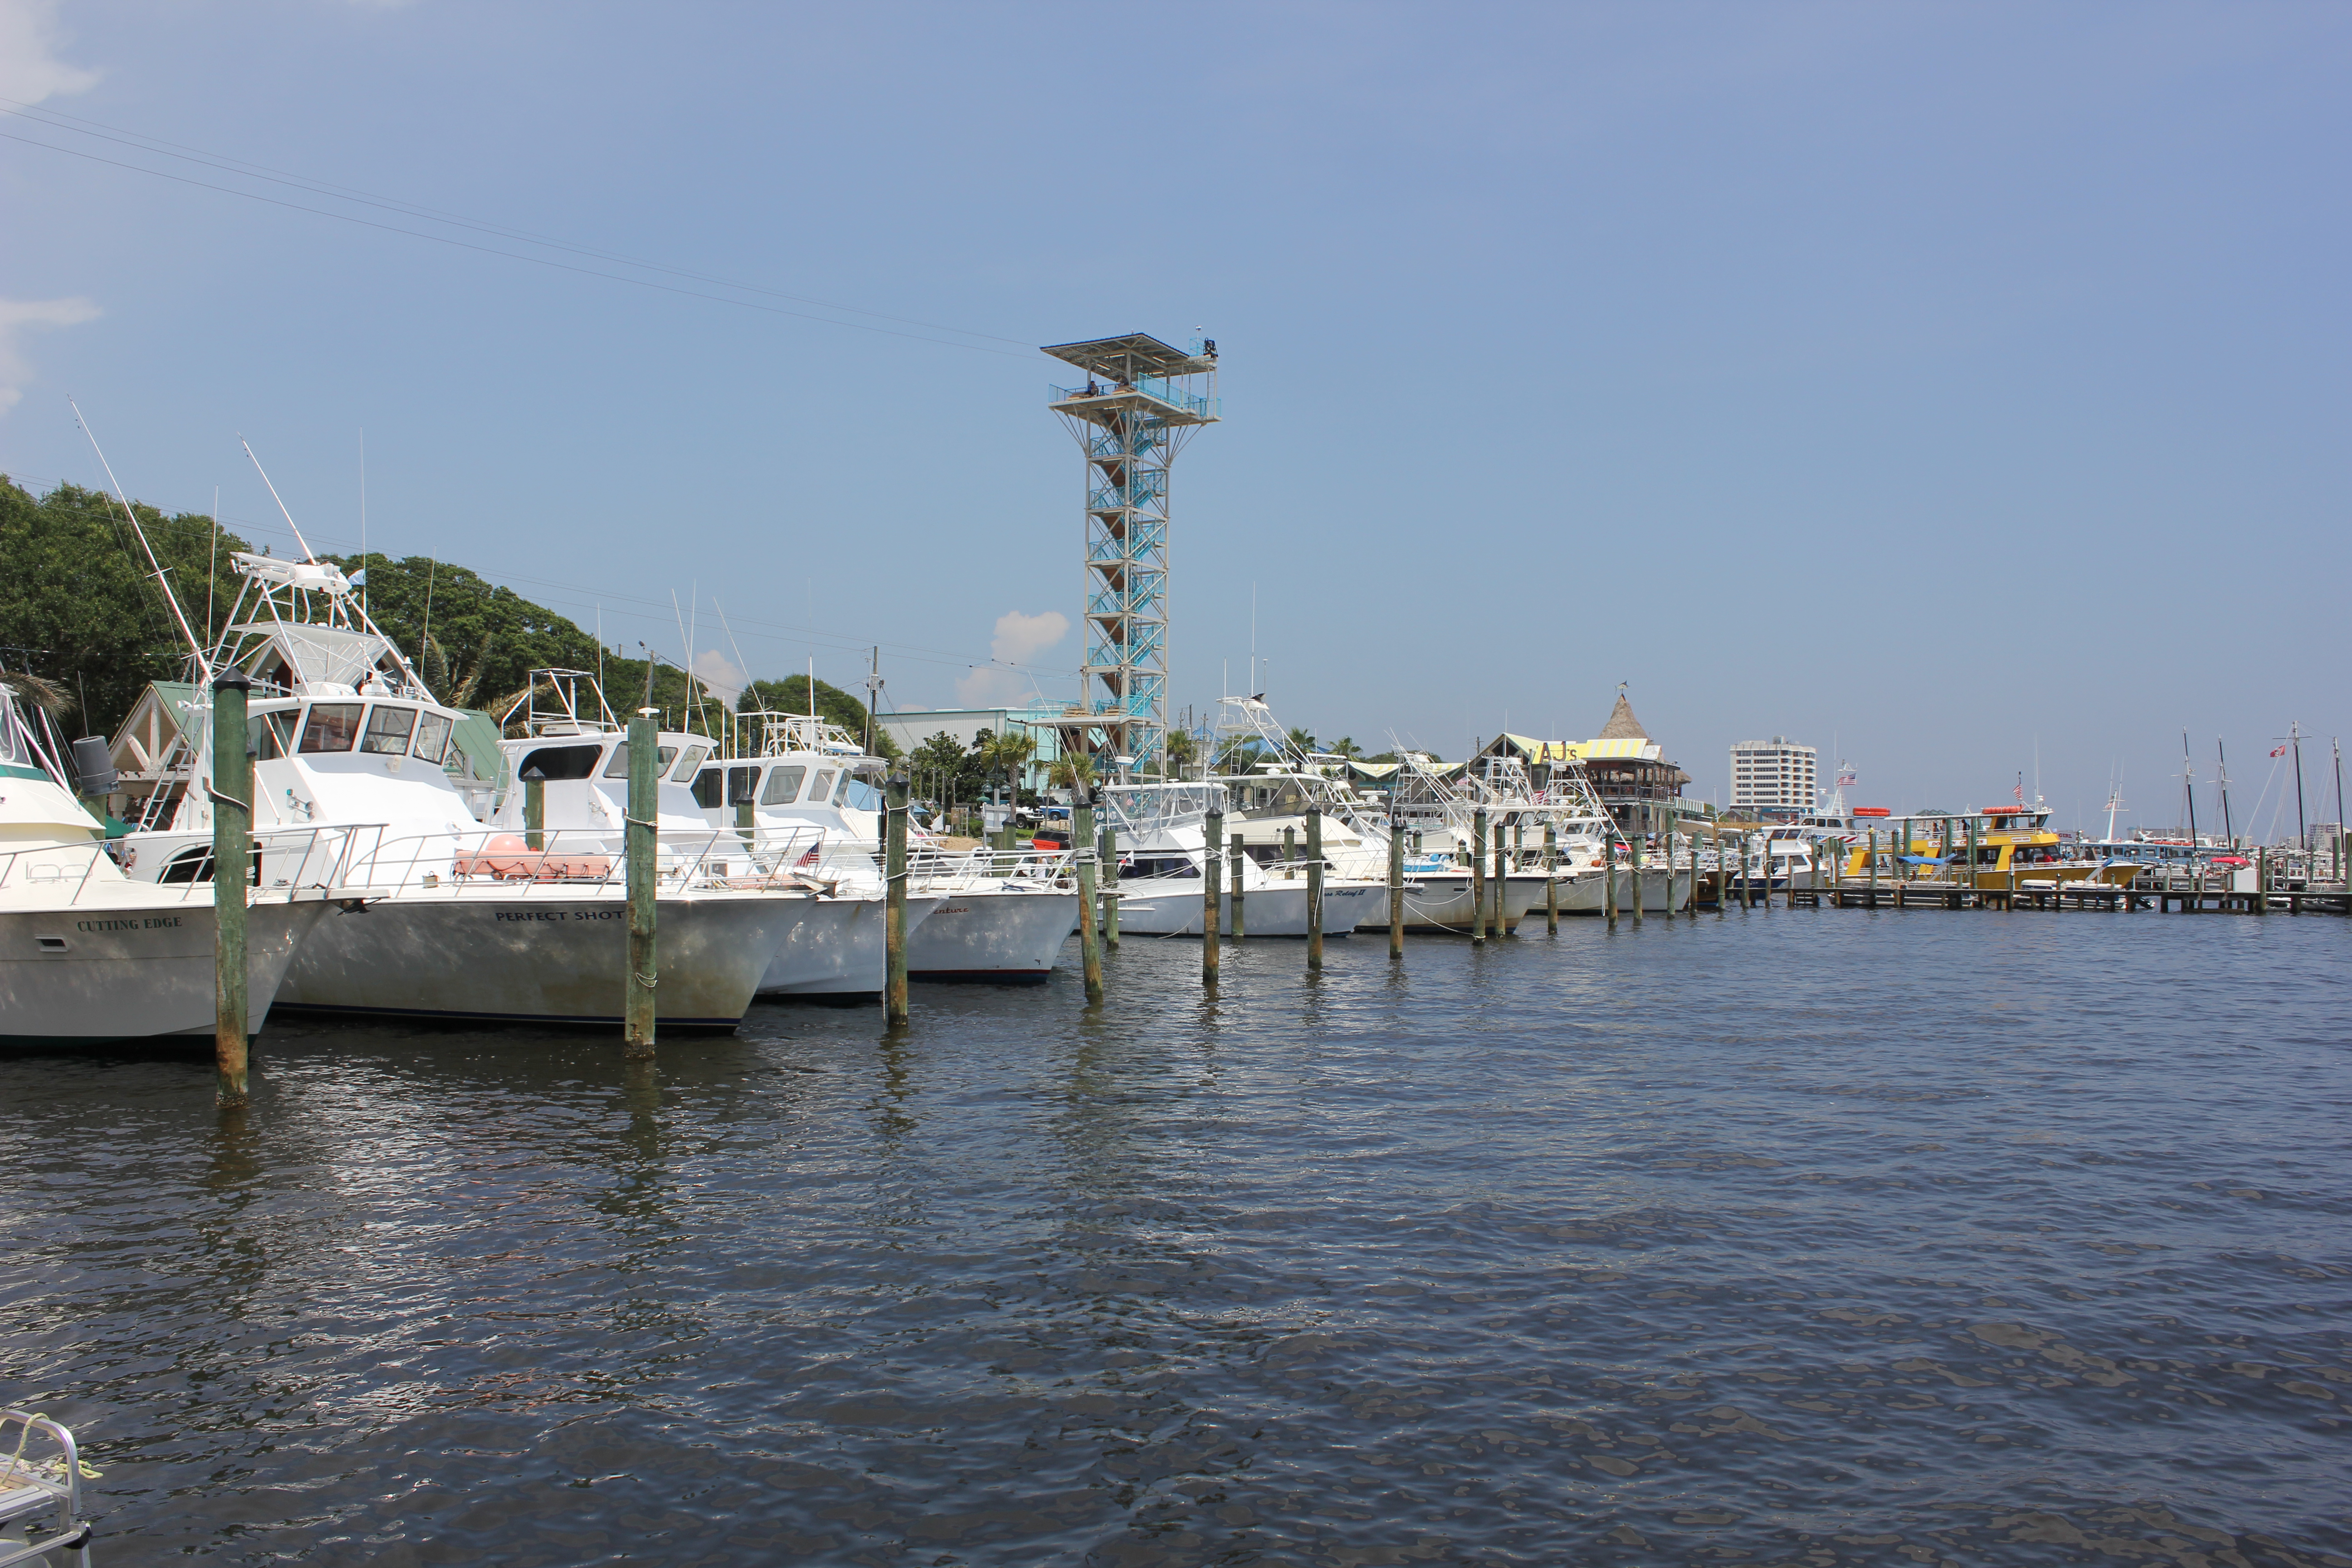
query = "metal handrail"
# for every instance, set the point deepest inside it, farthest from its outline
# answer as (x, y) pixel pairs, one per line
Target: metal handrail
(35, 1486)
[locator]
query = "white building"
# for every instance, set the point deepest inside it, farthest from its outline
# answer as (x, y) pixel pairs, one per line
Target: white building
(1777, 775)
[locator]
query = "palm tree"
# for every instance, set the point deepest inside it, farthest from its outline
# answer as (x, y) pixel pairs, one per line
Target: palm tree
(1177, 751)
(1074, 771)
(1345, 746)
(1008, 753)
(1301, 740)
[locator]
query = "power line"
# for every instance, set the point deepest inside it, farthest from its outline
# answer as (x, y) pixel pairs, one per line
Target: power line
(55, 118)
(772, 631)
(509, 255)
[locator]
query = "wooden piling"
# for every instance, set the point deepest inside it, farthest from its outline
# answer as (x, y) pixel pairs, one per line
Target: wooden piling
(1551, 880)
(894, 929)
(1313, 887)
(1210, 869)
(1478, 877)
(1107, 840)
(1873, 869)
(1636, 842)
(1239, 855)
(1502, 879)
(1082, 836)
(1289, 849)
(2261, 882)
(535, 808)
(1609, 875)
(1396, 889)
(640, 869)
(232, 799)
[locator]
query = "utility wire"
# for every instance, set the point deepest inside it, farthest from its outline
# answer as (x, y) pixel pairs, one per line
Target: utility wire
(509, 255)
(140, 141)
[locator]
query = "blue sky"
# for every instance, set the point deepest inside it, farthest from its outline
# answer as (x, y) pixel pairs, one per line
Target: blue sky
(1954, 381)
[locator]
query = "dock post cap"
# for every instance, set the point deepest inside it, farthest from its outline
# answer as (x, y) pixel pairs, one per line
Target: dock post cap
(232, 680)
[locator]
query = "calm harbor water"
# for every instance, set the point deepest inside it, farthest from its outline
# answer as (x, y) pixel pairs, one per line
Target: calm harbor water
(1807, 1236)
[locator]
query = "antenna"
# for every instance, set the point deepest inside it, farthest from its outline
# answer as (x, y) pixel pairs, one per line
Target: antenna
(363, 555)
(204, 666)
(289, 516)
(212, 563)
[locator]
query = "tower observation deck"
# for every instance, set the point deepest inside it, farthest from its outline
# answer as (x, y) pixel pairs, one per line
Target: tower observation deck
(1140, 401)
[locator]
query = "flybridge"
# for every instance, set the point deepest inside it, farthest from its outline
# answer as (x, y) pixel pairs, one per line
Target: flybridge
(298, 628)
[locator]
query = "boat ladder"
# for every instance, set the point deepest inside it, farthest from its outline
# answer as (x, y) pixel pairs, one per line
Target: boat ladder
(31, 1483)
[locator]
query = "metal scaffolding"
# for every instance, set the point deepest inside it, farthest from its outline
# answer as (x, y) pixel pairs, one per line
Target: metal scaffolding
(1141, 401)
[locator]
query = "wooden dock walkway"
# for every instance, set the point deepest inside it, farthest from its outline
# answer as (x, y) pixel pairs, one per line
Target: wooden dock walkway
(2076, 894)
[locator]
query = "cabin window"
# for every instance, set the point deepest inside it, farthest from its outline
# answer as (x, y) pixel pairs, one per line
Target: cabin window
(694, 755)
(270, 735)
(706, 786)
(388, 730)
(332, 727)
(432, 736)
(783, 785)
(822, 786)
(841, 790)
(743, 784)
(618, 768)
(561, 762)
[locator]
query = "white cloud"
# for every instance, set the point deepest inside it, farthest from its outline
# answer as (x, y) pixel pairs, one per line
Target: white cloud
(29, 71)
(18, 314)
(1019, 639)
(719, 674)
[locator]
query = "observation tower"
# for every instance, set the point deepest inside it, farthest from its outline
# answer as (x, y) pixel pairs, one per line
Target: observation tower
(1140, 401)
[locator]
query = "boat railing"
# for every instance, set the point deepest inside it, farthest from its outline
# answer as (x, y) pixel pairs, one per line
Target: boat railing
(33, 1482)
(939, 870)
(320, 857)
(559, 863)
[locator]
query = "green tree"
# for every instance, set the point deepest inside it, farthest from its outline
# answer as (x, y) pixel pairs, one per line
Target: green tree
(1006, 754)
(79, 604)
(482, 640)
(1074, 770)
(935, 766)
(835, 706)
(1301, 740)
(1177, 750)
(1345, 746)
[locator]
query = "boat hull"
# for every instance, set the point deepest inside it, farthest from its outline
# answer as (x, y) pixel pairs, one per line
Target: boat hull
(839, 953)
(993, 934)
(485, 954)
(1173, 907)
(133, 973)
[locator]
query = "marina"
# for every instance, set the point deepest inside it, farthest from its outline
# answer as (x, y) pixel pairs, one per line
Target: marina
(921, 788)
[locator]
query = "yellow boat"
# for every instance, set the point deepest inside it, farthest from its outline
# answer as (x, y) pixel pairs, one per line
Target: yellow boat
(2014, 848)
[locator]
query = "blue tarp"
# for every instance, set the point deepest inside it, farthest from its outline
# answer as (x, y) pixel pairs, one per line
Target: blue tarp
(1925, 859)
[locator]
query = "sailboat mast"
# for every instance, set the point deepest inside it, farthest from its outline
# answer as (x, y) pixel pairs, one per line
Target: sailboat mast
(2188, 786)
(2302, 828)
(2221, 776)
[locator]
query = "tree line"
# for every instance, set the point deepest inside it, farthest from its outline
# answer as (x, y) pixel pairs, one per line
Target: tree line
(80, 607)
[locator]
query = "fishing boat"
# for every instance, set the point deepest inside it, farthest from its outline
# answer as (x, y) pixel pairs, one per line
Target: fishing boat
(564, 742)
(1001, 916)
(88, 956)
(464, 921)
(1163, 851)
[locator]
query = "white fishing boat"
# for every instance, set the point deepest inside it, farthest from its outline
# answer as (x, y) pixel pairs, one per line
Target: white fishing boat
(88, 956)
(464, 921)
(563, 732)
(987, 915)
(1162, 849)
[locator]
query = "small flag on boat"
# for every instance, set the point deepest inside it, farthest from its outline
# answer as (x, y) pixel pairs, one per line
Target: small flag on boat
(809, 859)
(2020, 792)
(2278, 751)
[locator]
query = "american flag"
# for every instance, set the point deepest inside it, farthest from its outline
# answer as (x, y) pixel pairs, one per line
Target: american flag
(2020, 792)
(1846, 774)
